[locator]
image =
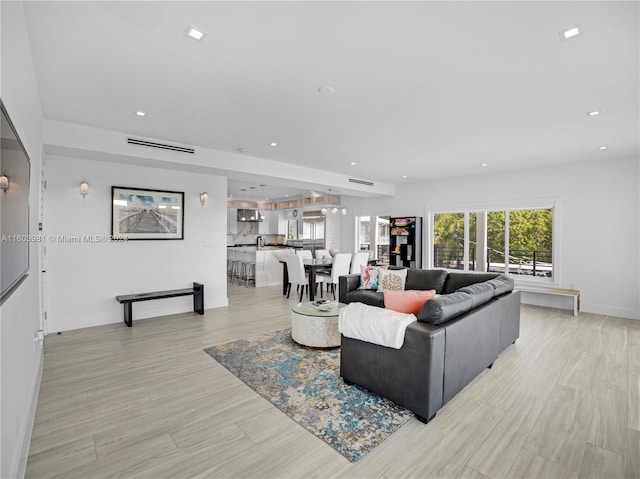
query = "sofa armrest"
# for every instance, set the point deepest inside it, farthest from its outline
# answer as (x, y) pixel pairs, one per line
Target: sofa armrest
(411, 376)
(346, 283)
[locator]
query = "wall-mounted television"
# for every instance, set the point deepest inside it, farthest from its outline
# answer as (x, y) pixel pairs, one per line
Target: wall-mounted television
(15, 169)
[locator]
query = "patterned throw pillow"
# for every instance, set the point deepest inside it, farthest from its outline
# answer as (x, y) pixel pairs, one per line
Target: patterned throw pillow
(369, 276)
(392, 279)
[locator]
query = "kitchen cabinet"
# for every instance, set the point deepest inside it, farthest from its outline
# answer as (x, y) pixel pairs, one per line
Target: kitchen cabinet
(282, 223)
(232, 221)
(270, 223)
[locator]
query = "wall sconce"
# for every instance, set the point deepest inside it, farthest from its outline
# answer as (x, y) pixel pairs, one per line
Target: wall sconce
(204, 196)
(344, 211)
(323, 210)
(4, 183)
(84, 188)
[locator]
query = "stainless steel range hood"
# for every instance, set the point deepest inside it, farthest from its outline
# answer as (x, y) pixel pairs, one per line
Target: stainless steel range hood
(249, 216)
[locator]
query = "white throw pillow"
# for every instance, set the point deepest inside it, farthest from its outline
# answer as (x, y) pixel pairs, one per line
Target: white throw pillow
(392, 279)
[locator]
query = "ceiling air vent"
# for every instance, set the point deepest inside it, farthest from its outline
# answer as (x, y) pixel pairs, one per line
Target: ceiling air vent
(161, 146)
(361, 182)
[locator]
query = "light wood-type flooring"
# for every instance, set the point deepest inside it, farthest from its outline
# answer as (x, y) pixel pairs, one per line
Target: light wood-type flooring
(563, 402)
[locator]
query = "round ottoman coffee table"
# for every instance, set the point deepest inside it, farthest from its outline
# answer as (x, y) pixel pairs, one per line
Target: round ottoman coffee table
(314, 327)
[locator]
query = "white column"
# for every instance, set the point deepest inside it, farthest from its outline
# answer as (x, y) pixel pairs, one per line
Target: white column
(481, 241)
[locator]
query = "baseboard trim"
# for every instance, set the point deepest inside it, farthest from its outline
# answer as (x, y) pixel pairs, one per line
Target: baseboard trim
(610, 311)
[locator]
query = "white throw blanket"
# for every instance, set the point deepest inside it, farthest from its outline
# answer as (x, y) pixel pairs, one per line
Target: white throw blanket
(374, 325)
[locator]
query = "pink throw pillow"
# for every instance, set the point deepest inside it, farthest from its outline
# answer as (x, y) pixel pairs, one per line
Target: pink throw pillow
(410, 301)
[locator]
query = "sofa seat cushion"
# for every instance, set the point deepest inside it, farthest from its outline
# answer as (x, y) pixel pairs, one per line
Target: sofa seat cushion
(480, 293)
(502, 284)
(366, 296)
(425, 279)
(445, 308)
(455, 281)
(410, 302)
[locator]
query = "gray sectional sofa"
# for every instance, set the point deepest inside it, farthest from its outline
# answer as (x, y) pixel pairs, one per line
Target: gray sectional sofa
(459, 333)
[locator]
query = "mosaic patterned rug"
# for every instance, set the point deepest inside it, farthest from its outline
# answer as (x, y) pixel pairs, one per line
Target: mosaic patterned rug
(305, 384)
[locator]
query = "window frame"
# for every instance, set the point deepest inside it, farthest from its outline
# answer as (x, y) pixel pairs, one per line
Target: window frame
(553, 204)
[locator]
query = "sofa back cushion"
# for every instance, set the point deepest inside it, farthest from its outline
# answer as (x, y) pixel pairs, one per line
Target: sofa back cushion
(480, 293)
(366, 296)
(502, 284)
(455, 281)
(445, 307)
(408, 301)
(425, 279)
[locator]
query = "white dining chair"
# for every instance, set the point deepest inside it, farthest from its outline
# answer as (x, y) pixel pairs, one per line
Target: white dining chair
(305, 253)
(340, 267)
(322, 253)
(298, 276)
(359, 259)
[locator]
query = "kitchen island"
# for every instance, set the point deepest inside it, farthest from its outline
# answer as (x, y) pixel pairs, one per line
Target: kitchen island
(268, 267)
(268, 270)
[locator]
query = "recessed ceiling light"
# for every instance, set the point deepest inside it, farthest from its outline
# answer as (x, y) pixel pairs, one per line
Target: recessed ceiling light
(594, 113)
(353, 163)
(273, 143)
(286, 196)
(404, 176)
(570, 32)
(484, 164)
(140, 113)
(195, 33)
(326, 90)
(603, 147)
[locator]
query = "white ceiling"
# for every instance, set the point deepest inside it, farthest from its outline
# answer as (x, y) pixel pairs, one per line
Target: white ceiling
(423, 89)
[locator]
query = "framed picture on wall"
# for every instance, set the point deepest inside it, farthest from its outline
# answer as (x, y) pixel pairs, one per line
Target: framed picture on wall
(143, 214)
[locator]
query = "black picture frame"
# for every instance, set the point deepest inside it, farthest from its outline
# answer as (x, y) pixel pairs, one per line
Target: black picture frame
(146, 214)
(14, 208)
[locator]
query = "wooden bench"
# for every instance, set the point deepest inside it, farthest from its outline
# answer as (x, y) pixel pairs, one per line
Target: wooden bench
(197, 291)
(574, 293)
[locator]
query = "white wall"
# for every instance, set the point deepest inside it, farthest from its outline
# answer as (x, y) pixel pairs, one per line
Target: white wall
(20, 357)
(85, 277)
(598, 216)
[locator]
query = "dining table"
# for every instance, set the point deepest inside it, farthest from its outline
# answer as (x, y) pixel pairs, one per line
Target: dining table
(311, 266)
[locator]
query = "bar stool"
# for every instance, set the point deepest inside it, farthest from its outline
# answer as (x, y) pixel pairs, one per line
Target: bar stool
(236, 267)
(229, 263)
(248, 267)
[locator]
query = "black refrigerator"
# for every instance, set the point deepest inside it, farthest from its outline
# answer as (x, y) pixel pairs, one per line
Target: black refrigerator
(405, 248)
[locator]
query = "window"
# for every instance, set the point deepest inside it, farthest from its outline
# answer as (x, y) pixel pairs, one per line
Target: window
(383, 238)
(530, 243)
(448, 240)
(372, 234)
(518, 241)
(364, 233)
